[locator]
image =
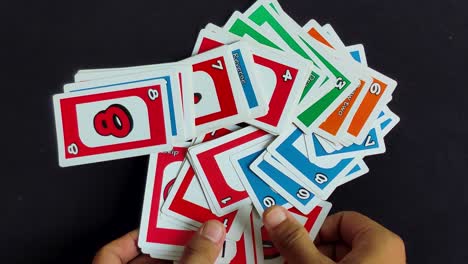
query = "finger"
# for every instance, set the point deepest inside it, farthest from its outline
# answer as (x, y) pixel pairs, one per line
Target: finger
(119, 251)
(290, 237)
(345, 226)
(370, 242)
(206, 244)
(327, 250)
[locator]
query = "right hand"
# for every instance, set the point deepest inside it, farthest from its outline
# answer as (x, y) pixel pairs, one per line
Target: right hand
(345, 237)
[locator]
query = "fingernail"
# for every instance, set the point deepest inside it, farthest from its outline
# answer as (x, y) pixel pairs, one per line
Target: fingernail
(212, 231)
(275, 217)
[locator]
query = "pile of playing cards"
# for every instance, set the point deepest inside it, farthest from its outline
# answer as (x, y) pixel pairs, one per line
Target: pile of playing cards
(265, 112)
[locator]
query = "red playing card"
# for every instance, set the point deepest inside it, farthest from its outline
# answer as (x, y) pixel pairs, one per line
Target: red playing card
(112, 123)
(159, 233)
(219, 179)
(217, 70)
(281, 91)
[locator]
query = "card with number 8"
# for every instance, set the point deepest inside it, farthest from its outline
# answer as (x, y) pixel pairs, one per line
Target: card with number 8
(126, 118)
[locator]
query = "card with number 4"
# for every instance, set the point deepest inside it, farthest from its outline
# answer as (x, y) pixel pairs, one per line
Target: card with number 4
(283, 76)
(130, 117)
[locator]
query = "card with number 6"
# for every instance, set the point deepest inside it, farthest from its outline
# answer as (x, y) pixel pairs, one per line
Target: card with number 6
(126, 118)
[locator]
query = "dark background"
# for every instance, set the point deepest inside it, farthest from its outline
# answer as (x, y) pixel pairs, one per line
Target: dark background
(49, 214)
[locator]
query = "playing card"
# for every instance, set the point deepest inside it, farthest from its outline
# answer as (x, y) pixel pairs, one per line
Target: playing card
(187, 203)
(359, 170)
(340, 78)
(179, 90)
(329, 39)
(261, 194)
(374, 100)
(285, 183)
(372, 144)
(263, 15)
(247, 73)
(242, 56)
(217, 176)
(358, 53)
(369, 103)
(330, 127)
(249, 247)
(283, 76)
(321, 179)
(327, 145)
(388, 120)
(243, 27)
(159, 234)
(312, 113)
(219, 99)
(337, 124)
(208, 39)
(129, 118)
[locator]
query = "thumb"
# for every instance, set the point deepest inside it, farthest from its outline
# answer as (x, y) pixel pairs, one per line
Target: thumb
(291, 238)
(205, 245)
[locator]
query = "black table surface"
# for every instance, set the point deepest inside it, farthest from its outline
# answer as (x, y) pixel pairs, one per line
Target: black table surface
(49, 214)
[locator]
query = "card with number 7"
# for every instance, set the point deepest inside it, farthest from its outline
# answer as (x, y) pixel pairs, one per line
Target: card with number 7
(129, 117)
(219, 100)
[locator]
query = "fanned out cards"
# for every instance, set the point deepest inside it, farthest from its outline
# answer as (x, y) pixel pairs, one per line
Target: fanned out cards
(265, 112)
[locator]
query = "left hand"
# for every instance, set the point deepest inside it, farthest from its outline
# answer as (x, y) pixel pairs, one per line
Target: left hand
(124, 250)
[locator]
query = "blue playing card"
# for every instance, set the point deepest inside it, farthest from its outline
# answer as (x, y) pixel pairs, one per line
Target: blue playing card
(318, 178)
(372, 144)
(281, 180)
(356, 55)
(262, 195)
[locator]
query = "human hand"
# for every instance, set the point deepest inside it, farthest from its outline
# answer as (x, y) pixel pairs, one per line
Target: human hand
(345, 237)
(204, 247)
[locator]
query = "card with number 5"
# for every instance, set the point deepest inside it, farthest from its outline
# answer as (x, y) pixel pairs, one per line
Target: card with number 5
(127, 118)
